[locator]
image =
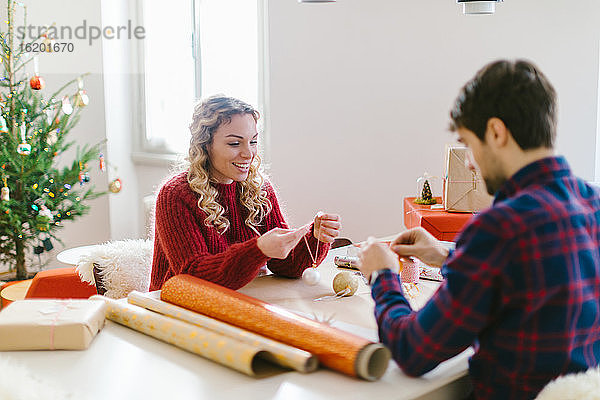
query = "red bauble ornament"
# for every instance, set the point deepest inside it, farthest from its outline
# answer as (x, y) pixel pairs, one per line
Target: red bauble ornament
(37, 82)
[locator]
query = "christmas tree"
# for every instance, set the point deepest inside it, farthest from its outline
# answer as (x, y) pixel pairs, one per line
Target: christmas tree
(37, 196)
(426, 197)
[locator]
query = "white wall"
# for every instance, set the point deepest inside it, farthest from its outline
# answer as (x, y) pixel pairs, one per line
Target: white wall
(120, 77)
(360, 94)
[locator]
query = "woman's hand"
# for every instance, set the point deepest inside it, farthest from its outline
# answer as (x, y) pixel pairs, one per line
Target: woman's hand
(326, 227)
(278, 242)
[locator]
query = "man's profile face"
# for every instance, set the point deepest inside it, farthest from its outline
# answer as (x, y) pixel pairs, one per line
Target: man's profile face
(481, 156)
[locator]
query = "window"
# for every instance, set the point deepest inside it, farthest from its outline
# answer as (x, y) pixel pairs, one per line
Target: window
(194, 49)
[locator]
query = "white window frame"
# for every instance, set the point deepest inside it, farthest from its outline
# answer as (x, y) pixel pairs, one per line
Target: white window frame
(146, 153)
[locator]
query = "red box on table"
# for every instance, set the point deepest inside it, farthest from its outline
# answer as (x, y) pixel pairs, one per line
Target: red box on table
(440, 223)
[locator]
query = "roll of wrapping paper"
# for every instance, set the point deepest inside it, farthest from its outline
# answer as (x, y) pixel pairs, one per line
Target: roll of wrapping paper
(336, 349)
(279, 353)
(224, 350)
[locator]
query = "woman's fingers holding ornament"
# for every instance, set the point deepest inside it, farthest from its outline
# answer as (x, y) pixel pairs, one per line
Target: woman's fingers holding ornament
(278, 242)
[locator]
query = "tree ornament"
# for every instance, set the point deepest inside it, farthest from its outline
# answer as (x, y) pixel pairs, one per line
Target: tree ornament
(47, 244)
(37, 82)
(24, 148)
(81, 176)
(48, 43)
(3, 126)
(45, 212)
(81, 98)
(66, 107)
(49, 114)
(311, 276)
(5, 191)
(52, 138)
(115, 185)
(102, 165)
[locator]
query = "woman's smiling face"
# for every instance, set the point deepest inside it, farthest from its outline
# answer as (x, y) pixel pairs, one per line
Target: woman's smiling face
(233, 148)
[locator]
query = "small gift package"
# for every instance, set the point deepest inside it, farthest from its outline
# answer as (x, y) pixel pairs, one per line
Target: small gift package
(464, 189)
(44, 324)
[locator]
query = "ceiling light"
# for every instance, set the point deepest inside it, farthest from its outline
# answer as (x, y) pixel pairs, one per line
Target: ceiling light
(478, 7)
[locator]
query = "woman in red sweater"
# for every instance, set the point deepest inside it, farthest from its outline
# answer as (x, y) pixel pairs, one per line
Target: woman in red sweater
(220, 220)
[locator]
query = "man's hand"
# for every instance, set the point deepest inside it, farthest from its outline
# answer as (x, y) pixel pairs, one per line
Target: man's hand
(375, 256)
(417, 242)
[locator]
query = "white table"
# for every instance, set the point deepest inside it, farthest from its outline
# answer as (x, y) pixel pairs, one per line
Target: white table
(124, 364)
(71, 256)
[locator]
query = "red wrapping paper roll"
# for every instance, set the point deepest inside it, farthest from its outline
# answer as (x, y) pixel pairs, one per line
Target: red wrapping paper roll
(336, 349)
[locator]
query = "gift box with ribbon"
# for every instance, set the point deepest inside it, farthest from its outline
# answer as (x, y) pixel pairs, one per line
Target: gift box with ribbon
(464, 189)
(44, 324)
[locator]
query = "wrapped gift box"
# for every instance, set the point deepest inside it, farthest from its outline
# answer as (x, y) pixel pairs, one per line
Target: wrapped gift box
(50, 324)
(441, 224)
(464, 189)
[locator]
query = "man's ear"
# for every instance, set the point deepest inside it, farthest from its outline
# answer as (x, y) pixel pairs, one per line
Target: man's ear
(496, 133)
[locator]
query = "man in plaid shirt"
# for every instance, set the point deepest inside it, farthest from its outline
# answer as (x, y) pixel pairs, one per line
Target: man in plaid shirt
(523, 285)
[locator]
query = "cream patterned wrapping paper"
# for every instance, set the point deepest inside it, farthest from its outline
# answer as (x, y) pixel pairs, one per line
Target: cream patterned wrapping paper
(224, 350)
(277, 352)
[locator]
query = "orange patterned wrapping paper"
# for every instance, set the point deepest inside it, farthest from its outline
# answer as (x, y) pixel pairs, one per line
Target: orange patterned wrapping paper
(224, 350)
(336, 349)
(279, 353)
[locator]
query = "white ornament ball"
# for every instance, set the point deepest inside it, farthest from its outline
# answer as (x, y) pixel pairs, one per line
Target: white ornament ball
(346, 282)
(311, 276)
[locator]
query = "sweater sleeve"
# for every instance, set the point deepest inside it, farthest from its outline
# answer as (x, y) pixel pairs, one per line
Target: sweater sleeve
(452, 319)
(299, 258)
(185, 246)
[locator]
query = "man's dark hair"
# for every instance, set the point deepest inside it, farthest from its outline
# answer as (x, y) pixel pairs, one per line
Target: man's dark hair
(516, 92)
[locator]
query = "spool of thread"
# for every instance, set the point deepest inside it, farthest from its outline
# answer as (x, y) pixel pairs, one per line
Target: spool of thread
(410, 272)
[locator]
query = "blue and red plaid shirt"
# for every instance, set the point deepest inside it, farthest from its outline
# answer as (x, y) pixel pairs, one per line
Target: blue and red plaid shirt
(522, 287)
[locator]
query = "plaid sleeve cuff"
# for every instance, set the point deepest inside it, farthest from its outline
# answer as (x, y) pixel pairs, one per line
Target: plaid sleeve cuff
(385, 280)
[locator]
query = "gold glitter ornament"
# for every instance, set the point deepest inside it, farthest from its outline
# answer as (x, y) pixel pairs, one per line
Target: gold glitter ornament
(48, 44)
(115, 186)
(345, 284)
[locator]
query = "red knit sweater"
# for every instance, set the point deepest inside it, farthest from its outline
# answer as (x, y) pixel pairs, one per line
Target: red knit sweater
(183, 244)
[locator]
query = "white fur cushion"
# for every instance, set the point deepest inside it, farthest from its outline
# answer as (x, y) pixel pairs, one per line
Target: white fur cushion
(124, 265)
(581, 386)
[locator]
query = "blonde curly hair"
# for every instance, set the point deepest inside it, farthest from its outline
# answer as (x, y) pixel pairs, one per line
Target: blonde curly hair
(208, 116)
